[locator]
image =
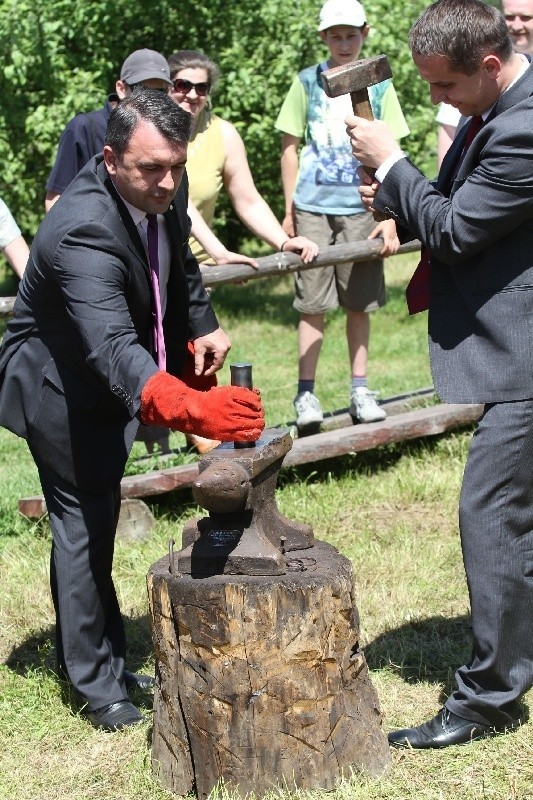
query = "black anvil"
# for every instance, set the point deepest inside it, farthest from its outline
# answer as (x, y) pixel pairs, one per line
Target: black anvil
(245, 533)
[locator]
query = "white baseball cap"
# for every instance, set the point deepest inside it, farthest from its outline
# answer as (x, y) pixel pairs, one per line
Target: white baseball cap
(341, 12)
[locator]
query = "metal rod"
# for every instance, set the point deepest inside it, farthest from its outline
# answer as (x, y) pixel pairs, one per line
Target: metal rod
(241, 375)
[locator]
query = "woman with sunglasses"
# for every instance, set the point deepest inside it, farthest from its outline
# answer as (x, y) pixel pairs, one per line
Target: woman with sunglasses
(217, 158)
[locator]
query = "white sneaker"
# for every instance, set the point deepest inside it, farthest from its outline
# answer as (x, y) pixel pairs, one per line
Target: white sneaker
(363, 406)
(308, 411)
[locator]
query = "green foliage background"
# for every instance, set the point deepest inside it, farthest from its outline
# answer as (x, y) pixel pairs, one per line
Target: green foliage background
(61, 57)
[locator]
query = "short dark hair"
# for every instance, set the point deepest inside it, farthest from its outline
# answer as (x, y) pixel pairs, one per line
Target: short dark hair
(464, 31)
(147, 105)
(194, 59)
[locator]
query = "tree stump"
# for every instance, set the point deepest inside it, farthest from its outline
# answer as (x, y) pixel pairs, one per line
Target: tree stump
(136, 521)
(260, 680)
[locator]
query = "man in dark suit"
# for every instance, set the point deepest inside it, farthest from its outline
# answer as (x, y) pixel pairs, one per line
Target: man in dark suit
(78, 371)
(477, 226)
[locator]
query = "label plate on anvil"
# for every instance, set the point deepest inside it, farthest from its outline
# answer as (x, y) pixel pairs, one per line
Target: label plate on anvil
(223, 538)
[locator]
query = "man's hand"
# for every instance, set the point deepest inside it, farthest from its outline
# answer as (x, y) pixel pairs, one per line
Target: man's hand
(210, 352)
(367, 189)
(372, 141)
(202, 383)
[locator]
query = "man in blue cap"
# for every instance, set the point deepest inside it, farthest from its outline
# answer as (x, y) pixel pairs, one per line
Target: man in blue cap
(83, 137)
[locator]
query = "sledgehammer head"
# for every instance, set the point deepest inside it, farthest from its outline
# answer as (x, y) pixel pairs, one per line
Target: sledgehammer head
(354, 79)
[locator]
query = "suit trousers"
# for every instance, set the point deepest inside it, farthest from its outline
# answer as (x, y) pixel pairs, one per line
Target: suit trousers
(496, 523)
(91, 643)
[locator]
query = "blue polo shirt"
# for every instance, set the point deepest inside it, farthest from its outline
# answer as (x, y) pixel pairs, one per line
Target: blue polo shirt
(82, 139)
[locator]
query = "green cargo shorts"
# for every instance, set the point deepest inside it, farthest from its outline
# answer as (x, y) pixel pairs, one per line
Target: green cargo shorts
(357, 287)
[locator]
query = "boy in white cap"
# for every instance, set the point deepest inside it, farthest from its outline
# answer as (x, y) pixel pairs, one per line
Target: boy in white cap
(322, 202)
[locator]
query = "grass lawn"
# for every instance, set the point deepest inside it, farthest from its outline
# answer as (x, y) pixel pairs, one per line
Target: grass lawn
(392, 511)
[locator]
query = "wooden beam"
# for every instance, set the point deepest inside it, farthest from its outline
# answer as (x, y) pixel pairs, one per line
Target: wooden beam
(351, 439)
(396, 428)
(6, 306)
(283, 263)
(393, 405)
(278, 264)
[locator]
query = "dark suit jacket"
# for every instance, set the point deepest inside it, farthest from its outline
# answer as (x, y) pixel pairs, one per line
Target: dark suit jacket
(481, 241)
(76, 354)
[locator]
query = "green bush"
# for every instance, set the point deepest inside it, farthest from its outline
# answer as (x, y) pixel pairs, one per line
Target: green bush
(60, 58)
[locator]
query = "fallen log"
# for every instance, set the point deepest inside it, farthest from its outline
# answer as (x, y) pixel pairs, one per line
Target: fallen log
(339, 441)
(396, 428)
(392, 405)
(135, 520)
(334, 419)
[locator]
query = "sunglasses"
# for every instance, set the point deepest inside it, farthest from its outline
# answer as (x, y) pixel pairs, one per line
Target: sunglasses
(184, 87)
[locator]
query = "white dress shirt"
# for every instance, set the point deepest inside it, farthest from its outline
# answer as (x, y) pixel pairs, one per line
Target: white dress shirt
(163, 246)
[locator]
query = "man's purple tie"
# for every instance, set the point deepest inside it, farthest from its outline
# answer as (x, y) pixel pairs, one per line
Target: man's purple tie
(417, 292)
(153, 257)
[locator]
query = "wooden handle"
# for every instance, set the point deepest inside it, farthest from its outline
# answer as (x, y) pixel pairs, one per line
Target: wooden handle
(361, 104)
(362, 108)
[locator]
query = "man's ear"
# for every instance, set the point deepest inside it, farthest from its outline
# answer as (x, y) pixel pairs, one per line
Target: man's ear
(493, 65)
(121, 89)
(365, 30)
(110, 160)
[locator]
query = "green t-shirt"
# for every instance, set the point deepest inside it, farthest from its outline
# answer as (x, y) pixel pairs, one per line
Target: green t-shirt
(327, 177)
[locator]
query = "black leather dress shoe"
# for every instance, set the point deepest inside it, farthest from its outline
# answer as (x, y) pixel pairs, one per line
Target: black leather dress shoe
(137, 682)
(443, 730)
(115, 716)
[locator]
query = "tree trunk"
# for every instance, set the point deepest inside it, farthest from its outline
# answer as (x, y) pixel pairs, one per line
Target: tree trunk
(260, 680)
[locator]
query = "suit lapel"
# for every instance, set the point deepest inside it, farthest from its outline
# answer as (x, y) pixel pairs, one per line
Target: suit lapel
(132, 239)
(172, 229)
(177, 282)
(449, 163)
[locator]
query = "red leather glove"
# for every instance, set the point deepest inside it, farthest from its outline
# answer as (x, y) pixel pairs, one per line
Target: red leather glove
(226, 413)
(200, 382)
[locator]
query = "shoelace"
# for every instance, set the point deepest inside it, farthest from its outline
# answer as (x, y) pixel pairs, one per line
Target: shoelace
(364, 396)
